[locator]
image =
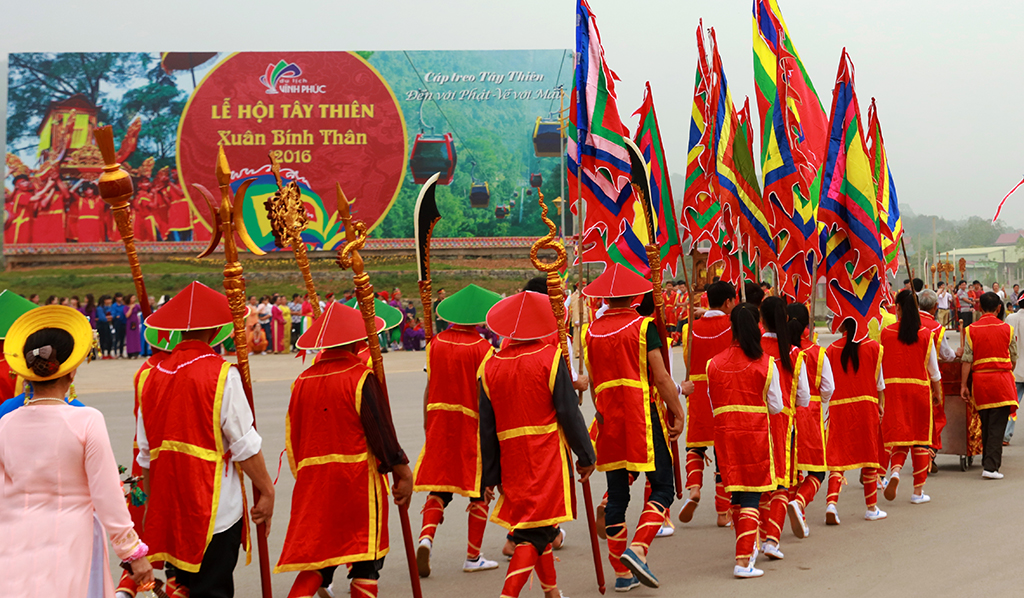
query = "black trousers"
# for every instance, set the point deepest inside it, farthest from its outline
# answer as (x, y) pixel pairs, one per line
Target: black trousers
(539, 537)
(993, 426)
(662, 479)
(296, 332)
(215, 578)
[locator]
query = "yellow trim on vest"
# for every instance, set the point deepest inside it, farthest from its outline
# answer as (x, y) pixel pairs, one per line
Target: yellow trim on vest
(914, 381)
(191, 450)
(453, 408)
(333, 458)
(868, 464)
(992, 360)
(740, 409)
(857, 399)
(527, 431)
(618, 382)
(699, 378)
(554, 370)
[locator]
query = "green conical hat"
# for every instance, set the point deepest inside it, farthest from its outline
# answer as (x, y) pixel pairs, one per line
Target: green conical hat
(12, 305)
(167, 340)
(468, 306)
(390, 314)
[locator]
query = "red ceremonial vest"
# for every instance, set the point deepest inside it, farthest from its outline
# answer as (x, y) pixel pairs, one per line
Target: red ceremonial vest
(938, 330)
(537, 488)
(782, 423)
(908, 395)
(810, 425)
(992, 370)
(615, 349)
(450, 459)
(854, 430)
(181, 402)
(711, 336)
(743, 441)
(339, 508)
(671, 313)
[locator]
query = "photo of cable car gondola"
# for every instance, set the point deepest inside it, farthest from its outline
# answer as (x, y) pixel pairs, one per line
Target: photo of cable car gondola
(547, 138)
(432, 153)
(479, 191)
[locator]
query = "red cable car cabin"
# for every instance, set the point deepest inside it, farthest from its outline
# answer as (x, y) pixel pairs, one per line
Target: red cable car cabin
(431, 155)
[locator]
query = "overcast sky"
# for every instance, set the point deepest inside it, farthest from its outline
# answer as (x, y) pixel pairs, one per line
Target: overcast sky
(946, 74)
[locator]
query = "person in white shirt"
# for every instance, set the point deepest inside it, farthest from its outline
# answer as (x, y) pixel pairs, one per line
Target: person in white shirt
(1016, 319)
(999, 291)
(944, 304)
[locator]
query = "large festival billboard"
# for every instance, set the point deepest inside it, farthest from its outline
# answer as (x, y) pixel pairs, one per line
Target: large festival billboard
(374, 123)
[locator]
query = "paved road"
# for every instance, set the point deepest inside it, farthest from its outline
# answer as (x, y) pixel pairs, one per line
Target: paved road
(966, 539)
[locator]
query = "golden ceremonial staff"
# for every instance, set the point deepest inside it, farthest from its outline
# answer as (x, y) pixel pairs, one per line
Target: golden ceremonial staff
(641, 182)
(557, 297)
(115, 185)
(349, 258)
(287, 216)
(228, 220)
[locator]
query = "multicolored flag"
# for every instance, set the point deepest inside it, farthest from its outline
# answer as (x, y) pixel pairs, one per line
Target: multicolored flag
(701, 213)
(648, 139)
(848, 211)
(794, 141)
(596, 152)
(891, 226)
(736, 184)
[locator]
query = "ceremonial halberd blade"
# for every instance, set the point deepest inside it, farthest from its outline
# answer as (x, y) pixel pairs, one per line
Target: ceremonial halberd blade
(425, 216)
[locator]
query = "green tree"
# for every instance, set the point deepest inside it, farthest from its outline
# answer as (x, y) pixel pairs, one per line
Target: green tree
(159, 104)
(37, 79)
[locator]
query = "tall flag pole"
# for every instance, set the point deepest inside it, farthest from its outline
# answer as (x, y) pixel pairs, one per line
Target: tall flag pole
(736, 183)
(848, 211)
(794, 140)
(1005, 197)
(594, 136)
(891, 226)
(648, 140)
(701, 214)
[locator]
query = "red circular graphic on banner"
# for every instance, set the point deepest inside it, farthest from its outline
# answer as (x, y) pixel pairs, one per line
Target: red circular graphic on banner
(329, 117)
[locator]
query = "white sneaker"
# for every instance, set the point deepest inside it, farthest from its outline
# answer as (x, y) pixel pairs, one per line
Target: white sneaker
(423, 557)
(991, 475)
(478, 564)
(875, 514)
(772, 551)
(749, 571)
(122, 595)
(919, 499)
(889, 491)
(665, 531)
(327, 592)
(831, 515)
(797, 522)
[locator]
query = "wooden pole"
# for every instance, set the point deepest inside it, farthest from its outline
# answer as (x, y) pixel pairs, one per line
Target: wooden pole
(116, 189)
(348, 257)
(557, 298)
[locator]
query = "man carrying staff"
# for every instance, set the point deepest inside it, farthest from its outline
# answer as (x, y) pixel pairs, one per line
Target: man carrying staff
(711, 336)
(341, 444)
(529, 420)
(197, 527)
(450, 461)
(990, 354)
(622, 352)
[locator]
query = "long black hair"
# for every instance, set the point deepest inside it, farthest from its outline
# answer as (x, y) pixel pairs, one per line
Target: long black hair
(745, 331)
(799, 320)
(773, 314)
(851, 351)
(910, 317)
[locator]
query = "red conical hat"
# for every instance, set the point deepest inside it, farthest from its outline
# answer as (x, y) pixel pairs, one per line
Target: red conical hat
(196, 307)
(338, 325)
(618, 281)
(525, 316)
